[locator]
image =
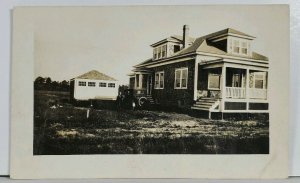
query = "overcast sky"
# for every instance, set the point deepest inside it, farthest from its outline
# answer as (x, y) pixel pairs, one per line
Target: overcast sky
(72, 41)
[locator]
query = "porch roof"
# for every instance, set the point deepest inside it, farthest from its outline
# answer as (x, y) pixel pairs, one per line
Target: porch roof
(230, 62)
(142, 70)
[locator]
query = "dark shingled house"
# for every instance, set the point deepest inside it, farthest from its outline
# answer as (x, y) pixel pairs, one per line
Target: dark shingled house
(218, 73)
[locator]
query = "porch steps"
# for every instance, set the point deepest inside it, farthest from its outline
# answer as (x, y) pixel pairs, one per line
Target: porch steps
(205, 104)
(150, 99)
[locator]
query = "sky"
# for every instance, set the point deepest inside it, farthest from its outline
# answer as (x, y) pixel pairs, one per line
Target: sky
(70, 41)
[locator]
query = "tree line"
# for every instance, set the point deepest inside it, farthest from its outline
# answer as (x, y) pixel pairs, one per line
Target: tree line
(46, 83)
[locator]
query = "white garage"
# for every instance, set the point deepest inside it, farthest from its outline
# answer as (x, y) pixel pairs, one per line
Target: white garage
(94, 85)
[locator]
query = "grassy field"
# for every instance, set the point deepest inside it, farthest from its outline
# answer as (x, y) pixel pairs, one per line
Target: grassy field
(61, 128)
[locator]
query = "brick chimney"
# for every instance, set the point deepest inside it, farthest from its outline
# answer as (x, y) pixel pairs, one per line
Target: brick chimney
(185, 35)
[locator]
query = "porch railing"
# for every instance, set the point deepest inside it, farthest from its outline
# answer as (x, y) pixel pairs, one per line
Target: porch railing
(235, 92)
(256, 93)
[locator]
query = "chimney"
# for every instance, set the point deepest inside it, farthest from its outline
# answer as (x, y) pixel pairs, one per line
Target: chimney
(185, 35)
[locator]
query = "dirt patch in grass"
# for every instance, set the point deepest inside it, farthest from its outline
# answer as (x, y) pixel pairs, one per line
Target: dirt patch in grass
(65, 129)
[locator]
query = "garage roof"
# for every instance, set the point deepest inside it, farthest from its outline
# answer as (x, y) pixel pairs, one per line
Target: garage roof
(95, 75)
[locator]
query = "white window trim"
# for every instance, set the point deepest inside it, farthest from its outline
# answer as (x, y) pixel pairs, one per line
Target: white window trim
(90, 82)
(101, 82)
(82, 82)
(158, 87)
(181, 69)
(108, 85)
(241, 47)
(238, 46)
(158, 50)
(264, 80)
(230, 45)
(209, 88)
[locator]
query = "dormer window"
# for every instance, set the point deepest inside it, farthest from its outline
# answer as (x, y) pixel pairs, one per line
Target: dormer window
(238, 46)
(164, 51)
(176, 48)
(244, 48)
(160, 52)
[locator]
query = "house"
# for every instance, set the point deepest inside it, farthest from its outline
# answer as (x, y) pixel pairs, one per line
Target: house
(94, 85)
(218, 73)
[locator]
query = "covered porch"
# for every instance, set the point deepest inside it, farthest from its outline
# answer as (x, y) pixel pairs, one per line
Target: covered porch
(141, 82)
(231, 87)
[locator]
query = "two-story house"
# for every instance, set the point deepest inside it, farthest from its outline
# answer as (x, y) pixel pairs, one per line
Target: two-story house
(218, 73)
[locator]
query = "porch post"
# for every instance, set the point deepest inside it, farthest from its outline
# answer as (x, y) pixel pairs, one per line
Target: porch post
(141, 81)
(223, 86)
(247, 88)
(135, 81)
(196, 80)
(147, 86)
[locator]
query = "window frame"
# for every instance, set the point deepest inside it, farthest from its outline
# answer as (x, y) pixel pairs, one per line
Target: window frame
(101, 85)
(159, 50)
(180, 77)
(163, 51)
(80, 82)
(90, 82)
(157, 85)
(244, 47)
(234, 46)
(109, 85)
(263, 74)
(239, 45)
(208, 82)
(177, 50)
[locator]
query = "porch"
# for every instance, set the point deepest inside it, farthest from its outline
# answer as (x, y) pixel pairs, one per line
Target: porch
(141, 81)
(234, 87)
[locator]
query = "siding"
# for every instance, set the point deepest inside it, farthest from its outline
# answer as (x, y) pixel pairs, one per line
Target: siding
(175, 97)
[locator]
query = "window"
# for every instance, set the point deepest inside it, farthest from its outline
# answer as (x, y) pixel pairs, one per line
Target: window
(159, 80)
(81, 83)
(101, 84)
(155, 53)
(181, 76)
(236, 46)
(244, 48)
(164, 51)
(259, 79)
(213, 81)
(176, 48)
(93, 84)
(239, 46)
(111, 85)
(160, 52)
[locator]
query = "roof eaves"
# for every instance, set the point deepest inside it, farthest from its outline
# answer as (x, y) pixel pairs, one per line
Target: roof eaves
(167, 59)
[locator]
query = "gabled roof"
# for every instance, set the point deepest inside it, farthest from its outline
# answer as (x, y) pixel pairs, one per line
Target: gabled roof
(190, 39)
(200, 45)
(228, 31)
(174, 38)
(144, 62)
(95, 75)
